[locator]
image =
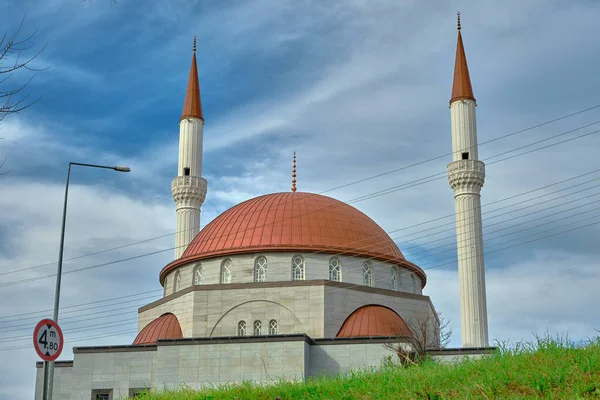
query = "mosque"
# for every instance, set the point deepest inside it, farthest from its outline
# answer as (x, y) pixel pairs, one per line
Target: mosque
(285, 285)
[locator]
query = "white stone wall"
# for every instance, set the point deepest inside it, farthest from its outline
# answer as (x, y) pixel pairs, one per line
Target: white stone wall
(202, 364)
(333, 359)
(63, 382)
(216, 364)
(182, 307)
(118, 371)
(313, 308)
(279, 268)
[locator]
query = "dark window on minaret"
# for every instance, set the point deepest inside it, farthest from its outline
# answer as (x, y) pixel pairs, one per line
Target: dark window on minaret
(186, 171)
(465, 156)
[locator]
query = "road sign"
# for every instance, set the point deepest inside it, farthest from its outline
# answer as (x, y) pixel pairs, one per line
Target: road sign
(48, 340)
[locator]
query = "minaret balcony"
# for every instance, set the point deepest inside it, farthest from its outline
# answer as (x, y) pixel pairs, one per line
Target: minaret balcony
(466, 175)
(189, 188)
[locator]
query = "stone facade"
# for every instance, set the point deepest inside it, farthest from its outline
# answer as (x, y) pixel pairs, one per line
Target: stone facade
(198, 363)
(314, 307)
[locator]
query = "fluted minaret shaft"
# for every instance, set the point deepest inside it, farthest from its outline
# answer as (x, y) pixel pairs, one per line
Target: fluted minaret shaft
(466, 175)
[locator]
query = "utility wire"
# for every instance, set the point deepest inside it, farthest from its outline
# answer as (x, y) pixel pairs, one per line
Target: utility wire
(172, 248)
(554, 199)
(385, 191)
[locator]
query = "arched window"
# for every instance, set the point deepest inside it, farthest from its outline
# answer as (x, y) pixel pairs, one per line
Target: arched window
(198, 274)
(165, 287)
(298, 268)
(394, 278)
(260, 269)
(242, 328)
(415, 281)
(335, 269)
(177, 282)
(257, 328)
(367, 273)
(226, 271)
(273, 327)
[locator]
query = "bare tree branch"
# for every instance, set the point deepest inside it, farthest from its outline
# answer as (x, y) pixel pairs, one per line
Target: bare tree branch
(431, 332)
(12, 60)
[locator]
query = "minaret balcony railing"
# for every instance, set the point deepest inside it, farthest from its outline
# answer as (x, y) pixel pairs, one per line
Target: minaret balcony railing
(466, 166)
(196, 181)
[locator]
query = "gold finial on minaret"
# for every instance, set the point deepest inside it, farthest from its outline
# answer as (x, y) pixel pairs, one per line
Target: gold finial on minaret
(458, 17)
(294, 174)
(194, 48)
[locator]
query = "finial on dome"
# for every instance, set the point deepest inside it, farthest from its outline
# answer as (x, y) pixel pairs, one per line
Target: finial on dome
(194, 48)
(294, 174)
(458, 17)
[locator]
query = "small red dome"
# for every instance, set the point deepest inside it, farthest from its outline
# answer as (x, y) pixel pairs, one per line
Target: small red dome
(293, 221)
(373, 320)
(164, 327)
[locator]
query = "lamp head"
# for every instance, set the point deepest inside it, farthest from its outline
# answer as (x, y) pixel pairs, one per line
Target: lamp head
(122, 169)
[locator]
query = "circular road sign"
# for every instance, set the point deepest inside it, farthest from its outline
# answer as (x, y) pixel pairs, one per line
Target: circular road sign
(48, 340)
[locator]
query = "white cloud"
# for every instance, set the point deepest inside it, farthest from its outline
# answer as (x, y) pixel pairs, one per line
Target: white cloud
(553, 292)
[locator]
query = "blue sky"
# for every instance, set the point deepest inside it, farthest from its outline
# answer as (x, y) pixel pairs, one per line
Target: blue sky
(356, 88)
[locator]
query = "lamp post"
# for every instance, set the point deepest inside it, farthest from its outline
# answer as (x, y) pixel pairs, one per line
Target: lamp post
(49, 366)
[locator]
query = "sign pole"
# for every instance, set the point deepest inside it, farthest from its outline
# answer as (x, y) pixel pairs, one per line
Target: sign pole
(48, 343)
(45, 386)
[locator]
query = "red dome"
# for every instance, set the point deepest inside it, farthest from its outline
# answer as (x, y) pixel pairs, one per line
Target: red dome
(373, 320)
(164, 327)
(293, 221)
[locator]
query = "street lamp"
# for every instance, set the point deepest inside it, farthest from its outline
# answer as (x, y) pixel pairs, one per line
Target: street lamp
(49, 366)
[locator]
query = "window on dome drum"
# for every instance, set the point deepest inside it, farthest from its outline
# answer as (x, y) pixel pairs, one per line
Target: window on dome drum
(186, 171)
(241, 328)
(394, 278)
(414, 283)
(165, 287)
(257, 328)
(226, 269)
(465, 156)
(260, 269)
(273, 327)
(198, 274)
(335, 269)
(177, 282)
(298, 268)
(367, 273)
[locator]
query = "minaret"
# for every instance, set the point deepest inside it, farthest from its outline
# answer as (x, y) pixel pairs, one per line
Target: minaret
(466, 175)
(189, 188)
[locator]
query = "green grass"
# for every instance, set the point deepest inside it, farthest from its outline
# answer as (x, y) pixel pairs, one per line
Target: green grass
(548, 368)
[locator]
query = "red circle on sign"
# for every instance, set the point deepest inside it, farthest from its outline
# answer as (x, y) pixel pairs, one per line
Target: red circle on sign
(39, 326)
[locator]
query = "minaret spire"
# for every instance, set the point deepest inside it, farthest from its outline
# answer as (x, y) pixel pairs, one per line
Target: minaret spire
(192, 106)
(466, 175)
(461, 87)
(189, 187)
(294, 174)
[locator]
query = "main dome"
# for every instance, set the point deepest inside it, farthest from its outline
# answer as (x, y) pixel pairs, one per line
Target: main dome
(293, 221)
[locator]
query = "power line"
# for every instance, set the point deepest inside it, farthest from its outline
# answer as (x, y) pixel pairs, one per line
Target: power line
(512, 205)
(172, 248)
(437, 266)
(384, 191)
(451, 153)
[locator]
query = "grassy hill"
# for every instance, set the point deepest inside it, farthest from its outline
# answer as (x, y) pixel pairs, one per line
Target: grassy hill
(546, 368)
